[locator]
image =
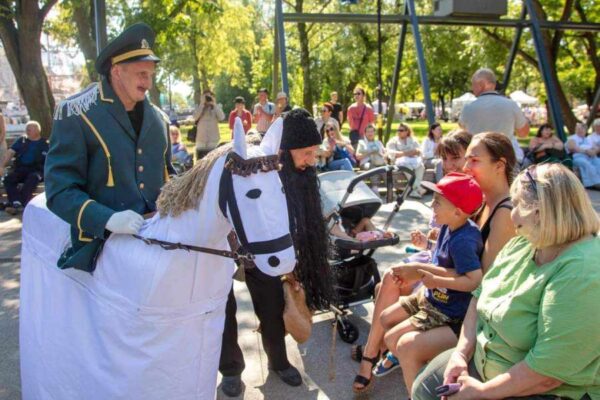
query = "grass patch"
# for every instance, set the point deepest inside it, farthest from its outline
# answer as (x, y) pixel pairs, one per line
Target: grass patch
(420, 129)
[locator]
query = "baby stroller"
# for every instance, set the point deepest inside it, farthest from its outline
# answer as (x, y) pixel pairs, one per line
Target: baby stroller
(347, 199)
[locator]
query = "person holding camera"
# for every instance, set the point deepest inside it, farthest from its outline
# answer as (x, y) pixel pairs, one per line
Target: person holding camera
(263, 111)
(207, 114)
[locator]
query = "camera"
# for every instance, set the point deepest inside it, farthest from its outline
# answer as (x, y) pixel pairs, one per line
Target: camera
(208, 98)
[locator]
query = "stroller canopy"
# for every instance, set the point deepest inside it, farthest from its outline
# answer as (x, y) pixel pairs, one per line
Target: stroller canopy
(334, 186)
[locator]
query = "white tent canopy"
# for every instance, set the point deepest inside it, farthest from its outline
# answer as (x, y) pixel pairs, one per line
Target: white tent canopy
(468, 97)
(523, 98)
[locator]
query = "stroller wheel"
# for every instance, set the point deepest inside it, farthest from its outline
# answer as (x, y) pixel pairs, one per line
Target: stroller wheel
(347, 331)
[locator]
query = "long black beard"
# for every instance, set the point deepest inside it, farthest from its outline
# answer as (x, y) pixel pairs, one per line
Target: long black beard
(309, 232)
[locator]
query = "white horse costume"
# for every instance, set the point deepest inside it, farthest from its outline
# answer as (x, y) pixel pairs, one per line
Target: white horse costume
(148, 323)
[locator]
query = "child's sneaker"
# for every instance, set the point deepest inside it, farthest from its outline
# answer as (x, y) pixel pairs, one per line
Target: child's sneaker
(386, 365)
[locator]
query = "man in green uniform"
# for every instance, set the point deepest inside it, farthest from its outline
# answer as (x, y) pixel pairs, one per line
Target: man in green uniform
(109, 150)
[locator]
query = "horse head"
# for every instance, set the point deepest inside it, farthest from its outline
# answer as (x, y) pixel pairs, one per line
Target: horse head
(251, 197)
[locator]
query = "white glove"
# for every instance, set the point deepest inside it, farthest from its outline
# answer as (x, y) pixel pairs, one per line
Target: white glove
(128, 222)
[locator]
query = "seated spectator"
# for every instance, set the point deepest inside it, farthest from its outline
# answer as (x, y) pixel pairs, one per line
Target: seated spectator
(240, 111)
(326, 118)
(30, 154)
(339, 152)
(528, 333)
(429, 147)
(545, 147)
(585, 157)
(371, 154)
(454, 272)
(404, 151)
(179, 152)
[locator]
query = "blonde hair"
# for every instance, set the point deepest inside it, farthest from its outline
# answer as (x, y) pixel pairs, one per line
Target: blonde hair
(34, 123)
(336, 131)
(173, 129)
(565, 210)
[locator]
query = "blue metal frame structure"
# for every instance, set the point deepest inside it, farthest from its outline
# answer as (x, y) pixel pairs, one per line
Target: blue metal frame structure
(409, 16)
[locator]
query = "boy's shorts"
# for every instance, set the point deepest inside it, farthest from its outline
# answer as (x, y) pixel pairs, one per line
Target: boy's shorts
(424, 316)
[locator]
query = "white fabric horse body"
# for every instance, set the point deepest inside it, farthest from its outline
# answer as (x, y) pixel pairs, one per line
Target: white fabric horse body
(148, 323)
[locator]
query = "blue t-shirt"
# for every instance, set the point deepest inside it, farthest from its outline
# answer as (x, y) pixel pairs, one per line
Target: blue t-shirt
(30, 153)
(459, 249)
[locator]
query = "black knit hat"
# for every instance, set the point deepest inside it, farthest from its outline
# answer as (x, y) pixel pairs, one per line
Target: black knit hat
(299, 130)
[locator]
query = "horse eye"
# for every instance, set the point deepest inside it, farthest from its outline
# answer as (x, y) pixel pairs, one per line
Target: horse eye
(254, 193)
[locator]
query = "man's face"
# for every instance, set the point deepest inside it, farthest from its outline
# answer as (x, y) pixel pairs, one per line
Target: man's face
(239, 106)
(305, 157)
(262, 97)
(133, 79)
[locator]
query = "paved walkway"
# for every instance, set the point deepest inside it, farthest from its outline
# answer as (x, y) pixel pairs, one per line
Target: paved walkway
(311, 358)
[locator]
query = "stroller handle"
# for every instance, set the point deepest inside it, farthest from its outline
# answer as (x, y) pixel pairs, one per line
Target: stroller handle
(377, 171)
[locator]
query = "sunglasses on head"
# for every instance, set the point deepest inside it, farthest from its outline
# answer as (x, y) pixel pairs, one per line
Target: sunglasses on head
(529, 172)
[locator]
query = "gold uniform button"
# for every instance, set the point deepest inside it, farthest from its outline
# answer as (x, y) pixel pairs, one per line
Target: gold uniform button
(141, 168)
(141, 186)
(139, 151)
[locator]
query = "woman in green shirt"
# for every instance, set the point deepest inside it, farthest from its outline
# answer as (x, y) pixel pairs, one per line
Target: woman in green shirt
(532, 329)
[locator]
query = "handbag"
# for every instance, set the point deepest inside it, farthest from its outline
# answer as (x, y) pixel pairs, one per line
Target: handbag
(354, 133)
(297, 318)
(191, 135)
(340, 153)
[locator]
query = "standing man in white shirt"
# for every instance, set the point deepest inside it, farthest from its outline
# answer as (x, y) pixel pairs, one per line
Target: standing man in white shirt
(493, 112)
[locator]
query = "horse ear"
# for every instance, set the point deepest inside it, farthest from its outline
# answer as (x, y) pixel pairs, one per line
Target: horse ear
(239, 138)
(272, 140)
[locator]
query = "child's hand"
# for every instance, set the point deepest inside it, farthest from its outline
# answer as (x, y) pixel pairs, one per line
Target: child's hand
(418, 239)
(433, 234)
(406, 273)
(428, 279)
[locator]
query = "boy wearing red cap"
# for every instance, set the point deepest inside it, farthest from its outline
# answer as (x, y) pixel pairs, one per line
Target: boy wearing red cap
(454, 272)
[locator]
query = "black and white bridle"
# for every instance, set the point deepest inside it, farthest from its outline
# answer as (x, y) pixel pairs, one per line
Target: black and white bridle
(236, 165)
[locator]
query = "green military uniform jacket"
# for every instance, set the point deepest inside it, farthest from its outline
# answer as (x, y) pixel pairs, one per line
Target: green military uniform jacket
(97, 165)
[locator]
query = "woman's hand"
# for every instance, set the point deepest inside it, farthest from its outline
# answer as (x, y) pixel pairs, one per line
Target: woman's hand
(457, 366)
(470, 389)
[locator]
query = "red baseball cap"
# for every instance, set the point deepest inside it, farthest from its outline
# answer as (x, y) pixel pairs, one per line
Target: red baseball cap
(459, 189)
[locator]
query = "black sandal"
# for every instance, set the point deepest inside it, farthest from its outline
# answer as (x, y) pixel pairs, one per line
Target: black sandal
(361, 380)
(357, 352)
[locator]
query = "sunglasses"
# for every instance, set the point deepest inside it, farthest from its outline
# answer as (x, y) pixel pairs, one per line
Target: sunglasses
(358, 94)
(329, 129)
(402, 130)
(325, 110)
(529, 175)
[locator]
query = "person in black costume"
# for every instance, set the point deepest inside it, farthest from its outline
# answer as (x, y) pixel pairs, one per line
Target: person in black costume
(299, 144)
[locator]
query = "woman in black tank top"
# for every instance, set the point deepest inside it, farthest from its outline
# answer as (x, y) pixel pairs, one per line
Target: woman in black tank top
(491, 161)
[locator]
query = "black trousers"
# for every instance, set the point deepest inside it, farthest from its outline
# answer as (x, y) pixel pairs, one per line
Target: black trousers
(267, 297)
(28, 178)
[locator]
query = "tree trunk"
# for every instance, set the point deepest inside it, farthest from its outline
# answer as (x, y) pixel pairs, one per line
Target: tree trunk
(304, 60)
(83, 18)
(21, 39)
